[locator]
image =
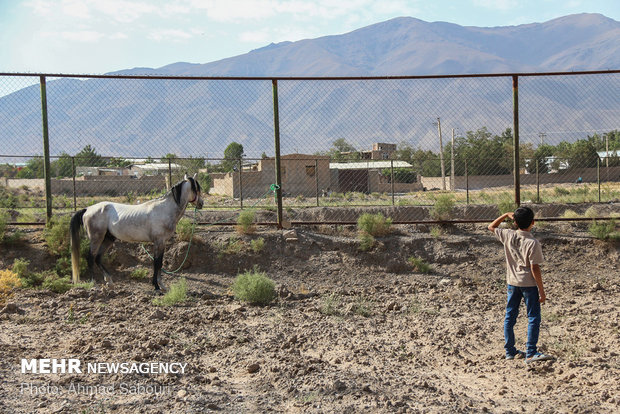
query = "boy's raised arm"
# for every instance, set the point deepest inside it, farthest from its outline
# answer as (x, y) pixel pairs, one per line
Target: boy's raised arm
(499, 221)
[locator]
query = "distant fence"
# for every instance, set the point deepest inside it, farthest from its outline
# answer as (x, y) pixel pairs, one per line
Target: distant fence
(290, 147)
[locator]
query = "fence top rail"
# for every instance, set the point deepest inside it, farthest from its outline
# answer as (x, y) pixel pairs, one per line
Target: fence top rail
(301, 78)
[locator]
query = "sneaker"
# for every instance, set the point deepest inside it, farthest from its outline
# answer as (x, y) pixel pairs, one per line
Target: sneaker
(539, 357)
(518, 355)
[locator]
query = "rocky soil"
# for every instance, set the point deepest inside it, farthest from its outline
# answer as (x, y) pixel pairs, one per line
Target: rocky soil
(350, 332)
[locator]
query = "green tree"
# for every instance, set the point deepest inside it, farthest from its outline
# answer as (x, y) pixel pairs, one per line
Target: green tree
(206, 182)
(485, 154)
(168, 156)
(401, 175)
(63, 166)
(541, 156)
(8, 170)
(611, 140)
(118, 162)
(579, 154)
(341, 150)
(232, 154)
(425, 162)
(582, 155)
(88, 157)
(191, 165)
(34, 168)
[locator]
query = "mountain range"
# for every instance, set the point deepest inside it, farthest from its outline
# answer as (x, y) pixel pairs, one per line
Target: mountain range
(144, 117)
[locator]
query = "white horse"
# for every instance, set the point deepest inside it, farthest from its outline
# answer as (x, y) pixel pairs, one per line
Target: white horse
(154, 221)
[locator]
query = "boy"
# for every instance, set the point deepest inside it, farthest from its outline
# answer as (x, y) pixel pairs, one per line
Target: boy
(523, 258)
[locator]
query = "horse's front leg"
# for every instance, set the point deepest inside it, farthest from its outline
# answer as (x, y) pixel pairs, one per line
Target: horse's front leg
(158, 254)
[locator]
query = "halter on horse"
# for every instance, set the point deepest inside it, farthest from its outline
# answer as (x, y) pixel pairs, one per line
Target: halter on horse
(154, 221)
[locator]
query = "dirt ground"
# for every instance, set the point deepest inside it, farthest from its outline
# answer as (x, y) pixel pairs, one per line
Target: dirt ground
(350, 332)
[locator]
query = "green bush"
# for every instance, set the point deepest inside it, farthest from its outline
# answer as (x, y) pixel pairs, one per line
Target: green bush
(362, 306)
(20, 267)
(4, 218)
(367, 241)
(330, 304)
(436, 232)
(48, 279)
(419, 265)
(176, 294)
(55, 283)
(231, 247)
(29, 280)
(374, 224)
(245, 222)
(561, 191)
(591, 212)
(257, 245)
(605, 230)
(57, 236)
(139, 273)
(506, 205)
(570, 214)
(185, 229)
(442, 209)
(7, 199)
(254, 287)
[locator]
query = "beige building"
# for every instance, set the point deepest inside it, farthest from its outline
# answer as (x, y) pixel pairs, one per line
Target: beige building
(311, 175)
(379, 151)
(301, 174)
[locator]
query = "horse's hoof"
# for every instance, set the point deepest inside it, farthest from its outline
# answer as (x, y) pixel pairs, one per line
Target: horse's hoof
(159, 292)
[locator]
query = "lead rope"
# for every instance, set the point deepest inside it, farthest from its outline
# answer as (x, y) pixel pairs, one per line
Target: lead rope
(272, 188)
(171, 272)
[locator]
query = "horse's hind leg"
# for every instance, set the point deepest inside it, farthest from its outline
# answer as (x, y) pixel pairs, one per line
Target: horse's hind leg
(96, 240)
(90, 259)
(158, 254)
(105, 245)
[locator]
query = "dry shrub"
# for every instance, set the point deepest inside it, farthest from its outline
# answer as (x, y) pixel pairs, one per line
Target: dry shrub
(8, 282)
(245, 222)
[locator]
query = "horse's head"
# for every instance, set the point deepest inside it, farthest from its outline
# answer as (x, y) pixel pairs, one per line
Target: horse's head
(195, 196)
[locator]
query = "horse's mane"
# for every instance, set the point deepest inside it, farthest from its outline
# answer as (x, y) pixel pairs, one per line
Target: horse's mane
(178, 187)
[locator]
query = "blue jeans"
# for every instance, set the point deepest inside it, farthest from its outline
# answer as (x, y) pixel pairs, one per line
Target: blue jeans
(530, 296)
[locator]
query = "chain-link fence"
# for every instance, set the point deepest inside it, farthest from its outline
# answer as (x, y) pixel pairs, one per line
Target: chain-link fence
(415, 148)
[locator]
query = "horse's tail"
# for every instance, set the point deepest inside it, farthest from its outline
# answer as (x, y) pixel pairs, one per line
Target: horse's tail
(74, 229)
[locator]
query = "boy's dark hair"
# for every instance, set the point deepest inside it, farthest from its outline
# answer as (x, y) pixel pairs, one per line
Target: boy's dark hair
(523, 217)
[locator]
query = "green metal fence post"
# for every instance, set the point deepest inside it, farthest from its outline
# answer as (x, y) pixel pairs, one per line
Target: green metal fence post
(392, 179)
(537, 183)
(240, 185)
(276, 131)
(466, 182)
(598, 177)
(46, 153)
(169, 173)
(73, 173)
(316, 180)
(515, 120)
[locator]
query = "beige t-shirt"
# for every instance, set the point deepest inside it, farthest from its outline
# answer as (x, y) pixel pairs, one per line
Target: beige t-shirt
(522, 250)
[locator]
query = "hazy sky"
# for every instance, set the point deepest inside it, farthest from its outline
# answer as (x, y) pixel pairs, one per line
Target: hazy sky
(100, 36)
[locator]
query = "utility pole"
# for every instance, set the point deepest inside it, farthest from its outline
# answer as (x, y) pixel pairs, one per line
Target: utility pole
(443, 167)
(542, 136)
(452, 183)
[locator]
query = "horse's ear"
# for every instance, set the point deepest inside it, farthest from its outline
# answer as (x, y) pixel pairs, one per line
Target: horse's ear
(185, 178)
(195, 175)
